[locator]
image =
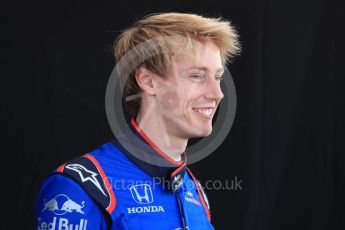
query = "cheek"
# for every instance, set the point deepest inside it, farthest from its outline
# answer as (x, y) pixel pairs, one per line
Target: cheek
(169, 101)
(173, 98)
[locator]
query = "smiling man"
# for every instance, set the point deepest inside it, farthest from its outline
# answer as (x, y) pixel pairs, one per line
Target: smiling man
(182, 104)
(114, 187)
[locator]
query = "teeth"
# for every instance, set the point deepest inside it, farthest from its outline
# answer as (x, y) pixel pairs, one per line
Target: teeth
(206, 112)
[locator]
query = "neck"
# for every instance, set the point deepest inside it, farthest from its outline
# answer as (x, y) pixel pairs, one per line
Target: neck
(155, 128)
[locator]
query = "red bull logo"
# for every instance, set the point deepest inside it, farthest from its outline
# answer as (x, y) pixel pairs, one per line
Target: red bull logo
(62, 204)
(61, 224)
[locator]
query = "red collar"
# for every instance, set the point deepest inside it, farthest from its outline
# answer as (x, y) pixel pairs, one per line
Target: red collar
(155, 147)
(150, 154)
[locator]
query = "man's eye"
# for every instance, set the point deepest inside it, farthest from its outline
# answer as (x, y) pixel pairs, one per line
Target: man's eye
(198, 77)
(219, 78)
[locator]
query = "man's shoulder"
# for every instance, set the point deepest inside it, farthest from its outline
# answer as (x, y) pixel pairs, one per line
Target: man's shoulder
(78, 189)
(110, 152)
(103, 156)
(91, 172)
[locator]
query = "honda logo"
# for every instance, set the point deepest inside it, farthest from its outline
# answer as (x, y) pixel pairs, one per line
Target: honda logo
(142, 194)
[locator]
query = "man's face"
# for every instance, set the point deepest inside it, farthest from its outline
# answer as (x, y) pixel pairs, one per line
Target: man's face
(188, 97)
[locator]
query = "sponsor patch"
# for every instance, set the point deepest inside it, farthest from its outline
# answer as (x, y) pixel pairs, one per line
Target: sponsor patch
(62, 204)
(60, 223)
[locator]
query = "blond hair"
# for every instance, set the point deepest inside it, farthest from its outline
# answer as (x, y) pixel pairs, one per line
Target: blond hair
(188, 26)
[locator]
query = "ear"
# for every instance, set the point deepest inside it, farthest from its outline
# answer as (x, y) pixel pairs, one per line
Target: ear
(145, 78)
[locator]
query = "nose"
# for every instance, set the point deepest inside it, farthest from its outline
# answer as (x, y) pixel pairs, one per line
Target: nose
(214, 91)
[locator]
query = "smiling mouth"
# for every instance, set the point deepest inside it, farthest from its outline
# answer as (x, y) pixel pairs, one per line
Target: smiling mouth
(205, 112)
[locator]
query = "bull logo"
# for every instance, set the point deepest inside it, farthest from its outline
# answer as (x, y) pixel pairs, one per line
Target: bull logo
(68, 205)
(51, 205)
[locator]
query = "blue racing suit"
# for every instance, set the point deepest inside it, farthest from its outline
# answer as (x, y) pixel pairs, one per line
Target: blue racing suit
(110, 188)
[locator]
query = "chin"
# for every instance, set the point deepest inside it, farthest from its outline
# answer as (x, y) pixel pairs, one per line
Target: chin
(201, 132)
(206, 133)
(195, 128)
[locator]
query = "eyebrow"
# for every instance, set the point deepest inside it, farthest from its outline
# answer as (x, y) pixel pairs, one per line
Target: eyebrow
(206, 69)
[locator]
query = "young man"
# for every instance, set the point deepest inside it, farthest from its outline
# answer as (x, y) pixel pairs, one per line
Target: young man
(113, 188)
